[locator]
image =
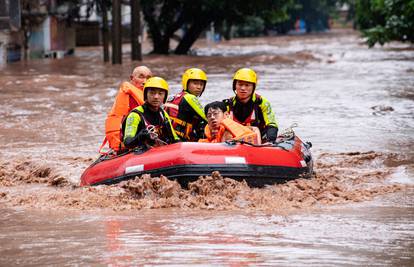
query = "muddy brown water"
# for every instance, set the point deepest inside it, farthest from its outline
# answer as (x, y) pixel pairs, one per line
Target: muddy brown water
(354, 104)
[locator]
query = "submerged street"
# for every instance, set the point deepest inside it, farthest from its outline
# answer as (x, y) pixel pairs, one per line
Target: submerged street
(353, 103)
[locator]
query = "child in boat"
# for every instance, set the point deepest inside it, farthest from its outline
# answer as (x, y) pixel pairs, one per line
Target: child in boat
(149, 123)
(184, 108)
(130, 95)
(249, 108)
(221, 128)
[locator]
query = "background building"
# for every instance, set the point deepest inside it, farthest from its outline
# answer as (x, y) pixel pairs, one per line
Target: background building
(34, 29)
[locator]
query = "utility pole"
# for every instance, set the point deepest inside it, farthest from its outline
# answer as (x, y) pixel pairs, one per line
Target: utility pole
(136, 37)
(105, 32)
(116, 32)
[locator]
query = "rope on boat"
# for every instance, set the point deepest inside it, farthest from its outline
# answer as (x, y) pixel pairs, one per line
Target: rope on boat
(233, 142)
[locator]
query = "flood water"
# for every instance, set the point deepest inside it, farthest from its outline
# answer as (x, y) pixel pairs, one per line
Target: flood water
(356, 105)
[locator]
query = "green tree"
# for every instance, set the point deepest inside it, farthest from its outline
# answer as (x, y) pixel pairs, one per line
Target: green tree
(165, 17)
(382, 21)
(252, 26)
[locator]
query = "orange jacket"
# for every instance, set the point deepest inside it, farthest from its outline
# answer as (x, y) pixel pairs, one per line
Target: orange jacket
(128, 98)
(238, 131)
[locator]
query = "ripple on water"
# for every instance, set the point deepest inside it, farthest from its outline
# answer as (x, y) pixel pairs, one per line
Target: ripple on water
(357, 210)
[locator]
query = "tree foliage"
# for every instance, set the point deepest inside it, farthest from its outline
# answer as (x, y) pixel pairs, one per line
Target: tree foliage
(382, 21)
(166, 17)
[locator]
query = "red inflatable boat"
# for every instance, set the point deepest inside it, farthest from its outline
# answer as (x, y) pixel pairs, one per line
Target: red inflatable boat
(185, 162)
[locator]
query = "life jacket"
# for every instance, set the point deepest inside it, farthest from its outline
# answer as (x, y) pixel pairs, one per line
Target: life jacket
(238, 131)
(255, 118)
(127, 99)
(182, 128)
(163, 130)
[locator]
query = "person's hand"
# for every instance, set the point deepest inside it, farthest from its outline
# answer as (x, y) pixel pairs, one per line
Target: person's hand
(144, 136)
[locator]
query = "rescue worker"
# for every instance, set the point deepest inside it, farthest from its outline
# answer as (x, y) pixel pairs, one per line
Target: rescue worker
(221, 128)
(249, 108)
(149, 123)
(184, 108)
(130, 95)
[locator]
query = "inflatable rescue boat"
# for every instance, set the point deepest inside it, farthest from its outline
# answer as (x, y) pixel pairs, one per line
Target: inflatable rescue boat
(259, 165)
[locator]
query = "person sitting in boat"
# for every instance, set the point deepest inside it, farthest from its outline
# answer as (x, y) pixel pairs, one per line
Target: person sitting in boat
(250, 109)
(130, 95)
(149, 124)
(184, 108)
(221, 128)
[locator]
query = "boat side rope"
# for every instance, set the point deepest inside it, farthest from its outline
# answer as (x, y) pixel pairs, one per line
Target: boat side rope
(233, 142)
(287, 134)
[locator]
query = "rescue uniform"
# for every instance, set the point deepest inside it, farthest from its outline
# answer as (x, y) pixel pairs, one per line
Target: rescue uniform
(142, 117)
(187, 116)
(257, 112)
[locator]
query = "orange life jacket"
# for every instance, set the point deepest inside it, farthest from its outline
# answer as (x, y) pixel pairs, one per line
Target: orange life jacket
(238, 131)
(128, 98)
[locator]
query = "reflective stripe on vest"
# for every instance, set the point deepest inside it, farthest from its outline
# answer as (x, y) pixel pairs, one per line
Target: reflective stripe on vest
(147, 124)
(182, 128)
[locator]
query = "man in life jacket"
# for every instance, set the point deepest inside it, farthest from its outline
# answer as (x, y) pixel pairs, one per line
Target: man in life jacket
(221, 128)
(185, 110)
(130, 95)
(249, 108)
(149, 123)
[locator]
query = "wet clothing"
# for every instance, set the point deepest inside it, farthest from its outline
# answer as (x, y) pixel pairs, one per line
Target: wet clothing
(128, 98)
(139, 119)
(236, 130)
(256, 112)
(187, 115)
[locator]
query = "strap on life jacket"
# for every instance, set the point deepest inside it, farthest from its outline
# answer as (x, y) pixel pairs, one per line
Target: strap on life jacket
(147, 124)
(169, 105)
(136, 93)
(209, 135)
(173, 105)
(238, 131)
(188, 127)
(119, 111)
(182, 128)
(252, 119)
(172, 109)
(101, 147)
(248, 121)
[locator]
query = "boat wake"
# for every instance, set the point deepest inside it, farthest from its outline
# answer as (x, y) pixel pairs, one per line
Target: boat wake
(339, 178)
